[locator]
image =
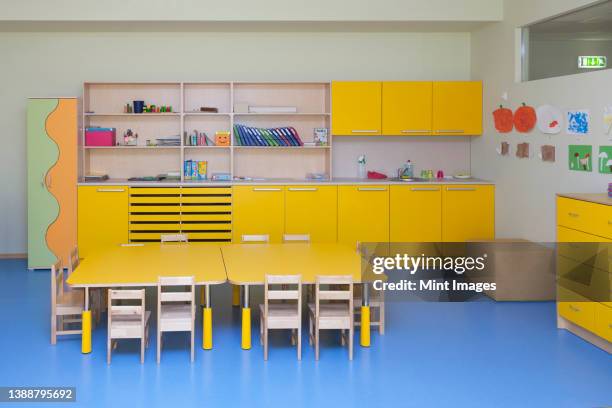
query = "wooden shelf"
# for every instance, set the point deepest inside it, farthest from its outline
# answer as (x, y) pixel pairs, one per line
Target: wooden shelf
(206, 147)
(283, 114)
(282, 147)
(152, 114)
(207, 114)
(130, 147)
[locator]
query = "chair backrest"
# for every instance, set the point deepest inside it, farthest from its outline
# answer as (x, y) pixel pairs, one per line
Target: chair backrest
(332, 289)
(57, 282)
(263, 238)
(282, 287)
(186, 295)
(135, 308)
(73, 260)
(174, 238)
(296, 237)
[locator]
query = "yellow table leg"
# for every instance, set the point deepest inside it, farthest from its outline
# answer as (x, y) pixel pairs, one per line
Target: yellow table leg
(86, 333)
(365, 326)
(246, 328)
(235, 295)
(207, 328)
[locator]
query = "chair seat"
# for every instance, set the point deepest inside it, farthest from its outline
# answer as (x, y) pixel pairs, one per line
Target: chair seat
(175, 318)
(281, 316)
(70, 303)
(280, 310)
(128, 327)
(330, 309)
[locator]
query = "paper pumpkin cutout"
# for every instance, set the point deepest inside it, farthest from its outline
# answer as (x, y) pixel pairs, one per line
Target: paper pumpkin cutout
(549, 119)
(578, 122)
(522, 150)
(524, 118)
(547, 153)
(580, 157)
(503, 119)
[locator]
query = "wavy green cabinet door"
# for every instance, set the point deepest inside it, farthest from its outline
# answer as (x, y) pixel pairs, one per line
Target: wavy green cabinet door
(43, 208)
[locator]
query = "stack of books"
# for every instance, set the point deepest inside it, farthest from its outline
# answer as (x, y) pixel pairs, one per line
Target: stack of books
(168, 141)
(251, 136)
(195, 169)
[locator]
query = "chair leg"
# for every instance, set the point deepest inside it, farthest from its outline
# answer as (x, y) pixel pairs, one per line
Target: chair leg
(53, 329)
(265, 345)
(381, 318)
(316, 340)
(310, 331)
(159, 340)
(261, 320)
(192, 349)
(142, 349)
(350, 342)
(293, 338)
(108, 350)
(299, 344)
(343, 337)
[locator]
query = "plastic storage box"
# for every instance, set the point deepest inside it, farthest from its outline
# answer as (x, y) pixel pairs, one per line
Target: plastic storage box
(100, 137)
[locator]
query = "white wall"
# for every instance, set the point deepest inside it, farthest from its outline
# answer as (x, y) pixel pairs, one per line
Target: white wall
(525, 200)
(56, 64)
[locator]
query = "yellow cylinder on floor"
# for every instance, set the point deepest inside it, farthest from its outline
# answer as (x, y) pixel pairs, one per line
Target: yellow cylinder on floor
(86, 334)
(235, 295)
(207, 328)
(246, 328)
(365, 326)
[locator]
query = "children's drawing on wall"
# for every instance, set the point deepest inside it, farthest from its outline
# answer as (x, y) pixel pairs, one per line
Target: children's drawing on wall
(550, 119)
(503, 149)
(502, 118)
(605, 159)
(607, 119)
(522, 150)
(525, 118)
(580, 157)
(547, 153)
(578, 122)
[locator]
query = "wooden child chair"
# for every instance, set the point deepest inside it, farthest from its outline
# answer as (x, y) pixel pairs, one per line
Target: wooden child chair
(127, 321)
(66, 306)
(175, 308)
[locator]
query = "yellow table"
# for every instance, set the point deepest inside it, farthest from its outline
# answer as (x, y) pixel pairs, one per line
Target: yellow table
(247, 264)
(141, 265)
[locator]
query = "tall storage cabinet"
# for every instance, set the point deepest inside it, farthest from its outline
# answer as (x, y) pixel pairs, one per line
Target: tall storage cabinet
(52, 125)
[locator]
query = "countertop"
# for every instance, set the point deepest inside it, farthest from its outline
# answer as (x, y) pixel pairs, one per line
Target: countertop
(592, 198)
(274, 181)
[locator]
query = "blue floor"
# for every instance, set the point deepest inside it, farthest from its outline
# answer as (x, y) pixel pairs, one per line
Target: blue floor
(433, 354)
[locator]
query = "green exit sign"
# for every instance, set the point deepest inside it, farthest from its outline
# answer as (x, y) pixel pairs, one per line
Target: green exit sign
(592, 62)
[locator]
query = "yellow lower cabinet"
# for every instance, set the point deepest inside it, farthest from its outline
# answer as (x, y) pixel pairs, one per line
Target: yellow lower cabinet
(416, 213)
(603, 320)
(312, 210)
(102, 217)
(363, 214)
(468, 213)
(580, 313)
(258, 210)
(153, 212)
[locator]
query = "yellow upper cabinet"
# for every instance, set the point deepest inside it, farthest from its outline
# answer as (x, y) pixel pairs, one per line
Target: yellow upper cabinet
(416, 213)
(468, 213)
(356, 108)
(457, 108)
(102, 217)
(312, 209)
(406, 108)
(363, 214)
(258, 210)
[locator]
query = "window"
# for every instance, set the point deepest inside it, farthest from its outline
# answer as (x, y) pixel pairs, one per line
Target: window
(573, 43)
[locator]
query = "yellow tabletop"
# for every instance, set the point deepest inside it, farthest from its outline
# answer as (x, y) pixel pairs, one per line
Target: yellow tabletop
(141, 265)
(247, 264)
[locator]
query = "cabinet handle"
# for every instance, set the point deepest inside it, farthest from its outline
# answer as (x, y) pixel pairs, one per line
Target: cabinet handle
(450, 131)
(371, 189)
(48, 180)
(460, 189)
(303, 189)
(415, 131)
(363, 131)
(574, 308)
(132, 245)
(266, 189)
(573, 214)
(425, 189)
(110, 190)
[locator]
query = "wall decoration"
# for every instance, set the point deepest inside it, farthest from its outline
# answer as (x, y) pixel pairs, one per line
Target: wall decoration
(607, 119)
(525, 118)
(503, 149)
(502, 117)
(547, 153)
(550, 119)
(605, 159)
(580, 157)
(522, 150)
(578, 122)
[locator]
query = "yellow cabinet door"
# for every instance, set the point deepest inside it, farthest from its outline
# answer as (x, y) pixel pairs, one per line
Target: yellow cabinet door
(363, 214)
(406, 108)
(457, 108)
(416, 213)
(356, 108)
(102, 217)
(312, 210)
(603, 320)
(468, 213)
(258, 210)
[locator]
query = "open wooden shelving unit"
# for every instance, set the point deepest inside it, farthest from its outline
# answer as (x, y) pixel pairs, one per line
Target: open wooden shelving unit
(103, 104)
